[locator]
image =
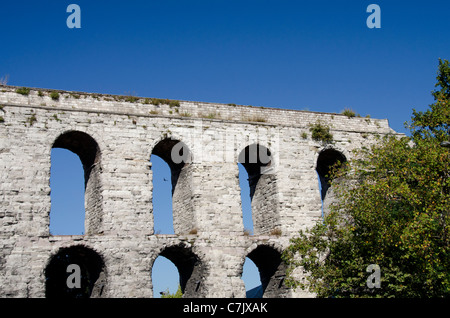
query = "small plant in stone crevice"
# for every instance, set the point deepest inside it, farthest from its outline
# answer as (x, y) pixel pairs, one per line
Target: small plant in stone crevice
(173, 103)
(131, 99)
(32, 119)
(23, 91)
(348, 112)
(185, 114)
(55, 116)
(160, 101)
(54, 95)
(276, 232)
(321, 132)
(258, 119)
(193, 231)
(210, 115)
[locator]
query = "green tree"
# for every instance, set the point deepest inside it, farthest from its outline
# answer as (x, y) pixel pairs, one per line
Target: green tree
(178, 293)
(392, 210)
(435, 122)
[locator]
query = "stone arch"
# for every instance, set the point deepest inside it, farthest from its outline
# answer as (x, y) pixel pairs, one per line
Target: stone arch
(179, 157)
(93, 275)
(191, 269)
(176, 154)
(88, 150)
(174, 137)
(258, 162)
(272, 270)
(327, 159)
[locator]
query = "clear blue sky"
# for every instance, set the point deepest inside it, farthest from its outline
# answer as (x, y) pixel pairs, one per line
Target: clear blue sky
(315, 55)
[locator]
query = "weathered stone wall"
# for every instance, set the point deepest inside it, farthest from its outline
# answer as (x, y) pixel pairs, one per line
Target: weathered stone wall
(210, 245)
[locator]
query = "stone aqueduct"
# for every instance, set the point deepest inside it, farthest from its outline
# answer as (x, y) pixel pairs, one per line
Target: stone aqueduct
(114, 137)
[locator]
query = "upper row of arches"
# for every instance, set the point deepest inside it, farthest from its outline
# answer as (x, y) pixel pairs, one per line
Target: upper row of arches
(255, 161)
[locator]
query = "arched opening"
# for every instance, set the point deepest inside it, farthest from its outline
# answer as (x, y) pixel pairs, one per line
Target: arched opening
(67, 212)
(165, 277)
(328, 160)
(162, 196)
(86, 148)
(178, 158)
(272, 272)
(252, 280)
(190, 268)
(261, 186)
(246, 201)
(92, 276)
